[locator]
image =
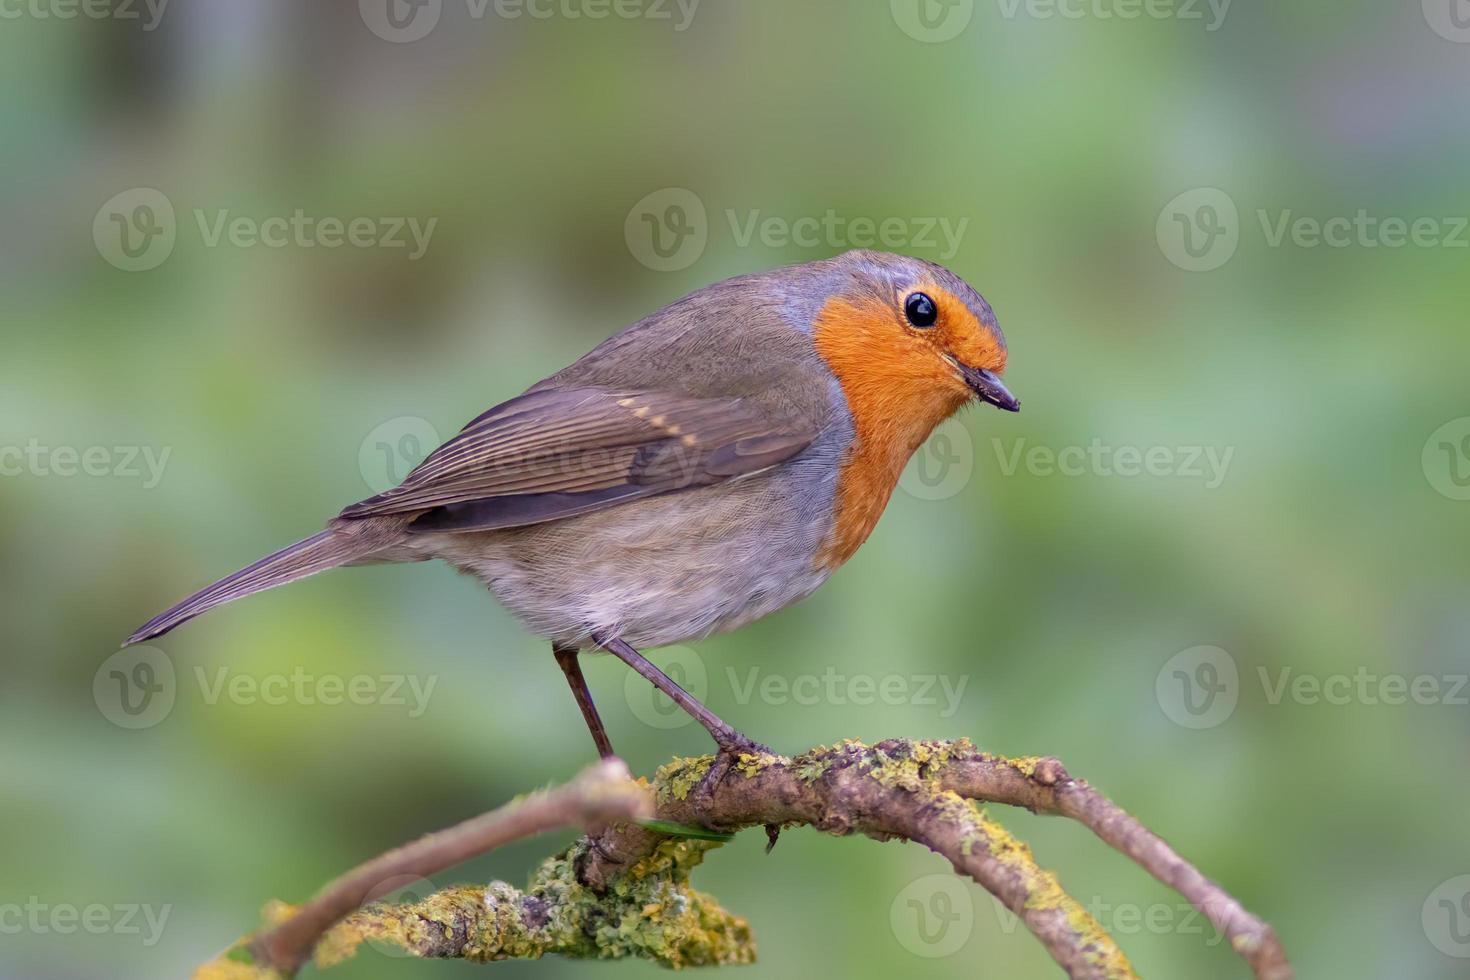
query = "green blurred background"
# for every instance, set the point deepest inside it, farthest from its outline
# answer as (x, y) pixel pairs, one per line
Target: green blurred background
(1065, 610)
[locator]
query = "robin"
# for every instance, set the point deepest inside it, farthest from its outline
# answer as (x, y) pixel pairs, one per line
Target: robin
(705, 467)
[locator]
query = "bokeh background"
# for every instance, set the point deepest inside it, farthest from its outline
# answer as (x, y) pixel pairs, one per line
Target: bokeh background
(1127, 193)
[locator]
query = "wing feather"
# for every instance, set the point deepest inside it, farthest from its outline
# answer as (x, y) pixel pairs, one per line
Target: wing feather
(558, 452)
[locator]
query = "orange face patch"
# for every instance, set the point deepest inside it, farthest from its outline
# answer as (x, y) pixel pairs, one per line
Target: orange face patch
(958, 331)
(899, 387)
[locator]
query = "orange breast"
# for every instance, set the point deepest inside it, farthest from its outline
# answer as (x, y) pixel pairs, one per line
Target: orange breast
(898, 389)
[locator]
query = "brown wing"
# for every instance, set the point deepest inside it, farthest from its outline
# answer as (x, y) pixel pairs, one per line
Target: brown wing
(555, 453)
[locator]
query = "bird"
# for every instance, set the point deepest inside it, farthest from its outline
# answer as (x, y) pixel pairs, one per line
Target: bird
(702, 468)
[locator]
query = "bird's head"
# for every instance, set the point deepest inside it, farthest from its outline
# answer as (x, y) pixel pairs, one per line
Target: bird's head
(908, 338)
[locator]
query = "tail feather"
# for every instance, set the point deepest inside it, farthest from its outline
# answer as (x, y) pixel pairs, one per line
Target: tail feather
(322, 551)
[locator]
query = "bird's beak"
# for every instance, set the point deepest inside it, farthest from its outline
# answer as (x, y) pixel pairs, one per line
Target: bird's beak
(988, 388)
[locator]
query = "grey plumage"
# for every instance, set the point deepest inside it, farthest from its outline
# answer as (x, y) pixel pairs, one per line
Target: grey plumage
(676, 481)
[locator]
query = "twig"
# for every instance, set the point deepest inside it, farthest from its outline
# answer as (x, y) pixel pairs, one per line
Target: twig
(623, 891)
(1043, 785)
(822, 788)
(602, 794)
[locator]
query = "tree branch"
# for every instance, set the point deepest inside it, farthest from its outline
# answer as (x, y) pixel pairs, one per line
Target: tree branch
(624, 890)
(601, 795)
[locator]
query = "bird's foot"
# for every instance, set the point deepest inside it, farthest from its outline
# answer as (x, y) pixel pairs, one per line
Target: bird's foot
(733, 748)
(735, 745)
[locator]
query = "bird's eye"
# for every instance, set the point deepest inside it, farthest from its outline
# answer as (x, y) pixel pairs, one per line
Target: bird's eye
(920, 310)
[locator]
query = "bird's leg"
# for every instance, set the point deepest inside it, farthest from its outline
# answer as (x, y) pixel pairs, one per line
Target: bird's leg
(566, 659)
(731, 742)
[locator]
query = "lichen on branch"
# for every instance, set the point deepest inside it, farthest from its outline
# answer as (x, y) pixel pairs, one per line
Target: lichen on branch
(650, 912)
(623, 890)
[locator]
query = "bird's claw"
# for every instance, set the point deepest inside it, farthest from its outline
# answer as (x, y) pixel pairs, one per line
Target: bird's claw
(731, 748)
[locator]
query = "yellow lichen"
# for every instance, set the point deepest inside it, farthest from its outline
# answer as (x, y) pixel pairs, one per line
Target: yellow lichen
(676, 778)
(1045, 893)
(223, 969)
(751, 764)
(906, 765)
(649, 912)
